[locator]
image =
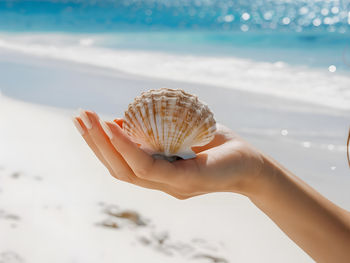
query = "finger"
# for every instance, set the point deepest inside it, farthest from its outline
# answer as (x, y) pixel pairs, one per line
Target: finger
(138, 160)
(119, 122)
(220, 137)
(116, 161)
(83, 131)
(119, 167)
(143, 165)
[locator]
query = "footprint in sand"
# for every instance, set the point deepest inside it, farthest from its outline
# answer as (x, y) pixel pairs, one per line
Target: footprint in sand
(197, 249)
(118, 218)
(10, 257)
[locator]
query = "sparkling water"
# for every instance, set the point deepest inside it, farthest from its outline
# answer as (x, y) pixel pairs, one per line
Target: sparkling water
(241, 15)
(293, 49)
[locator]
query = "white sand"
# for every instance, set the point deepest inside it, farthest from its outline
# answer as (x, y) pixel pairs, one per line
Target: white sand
(53, 191)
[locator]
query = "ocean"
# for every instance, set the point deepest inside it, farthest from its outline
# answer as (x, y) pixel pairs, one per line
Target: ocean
(293, 49)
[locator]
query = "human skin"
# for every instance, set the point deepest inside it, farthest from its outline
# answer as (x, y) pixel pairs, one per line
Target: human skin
(228, 164)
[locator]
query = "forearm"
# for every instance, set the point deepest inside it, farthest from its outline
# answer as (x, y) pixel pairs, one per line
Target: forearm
(318, 226)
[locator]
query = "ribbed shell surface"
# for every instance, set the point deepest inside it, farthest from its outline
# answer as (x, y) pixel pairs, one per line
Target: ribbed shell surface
(169, 122)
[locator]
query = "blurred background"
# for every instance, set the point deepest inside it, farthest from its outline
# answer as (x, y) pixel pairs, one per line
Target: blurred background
(275, 71)
(309, 33)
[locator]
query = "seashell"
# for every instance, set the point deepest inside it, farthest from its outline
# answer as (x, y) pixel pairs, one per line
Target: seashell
(166, 123)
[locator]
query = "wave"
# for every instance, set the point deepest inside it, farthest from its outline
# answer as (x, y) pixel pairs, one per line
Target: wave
(318, 86)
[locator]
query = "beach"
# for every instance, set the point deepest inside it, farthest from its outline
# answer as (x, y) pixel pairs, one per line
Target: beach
(59, 204)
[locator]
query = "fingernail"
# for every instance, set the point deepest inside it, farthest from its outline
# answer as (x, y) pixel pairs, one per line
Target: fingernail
(106, 129)
(85, 119)
(119, 122)
(78, 126)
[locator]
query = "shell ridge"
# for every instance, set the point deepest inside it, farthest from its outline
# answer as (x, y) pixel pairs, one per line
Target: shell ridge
(184, 125)
(148, 120)
(181, 126)
(148, 124)
(130, 126)
(186, 129)
(140, 119)
(154, 119)
(169, 122)
(174, 120)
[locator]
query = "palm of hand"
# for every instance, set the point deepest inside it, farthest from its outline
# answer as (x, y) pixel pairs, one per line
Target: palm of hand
(227, 163)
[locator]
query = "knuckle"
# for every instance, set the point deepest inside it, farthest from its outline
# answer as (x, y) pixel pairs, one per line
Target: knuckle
(111, 172)
(124, 178)
(127, 177)
(121, 176)
(131, 179)
(142, 172)
(188, 187)
(184, 192)
(182, 197)
(179, 196)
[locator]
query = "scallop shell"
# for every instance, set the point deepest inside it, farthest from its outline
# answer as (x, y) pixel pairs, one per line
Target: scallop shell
(168, 122)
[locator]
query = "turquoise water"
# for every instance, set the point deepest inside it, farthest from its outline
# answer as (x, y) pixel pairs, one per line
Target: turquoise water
(241, 15)
(314, 49)
(295, 49)
(313, 33)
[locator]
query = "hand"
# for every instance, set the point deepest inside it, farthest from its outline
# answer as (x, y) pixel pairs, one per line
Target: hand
(229, 164)
(226, 164)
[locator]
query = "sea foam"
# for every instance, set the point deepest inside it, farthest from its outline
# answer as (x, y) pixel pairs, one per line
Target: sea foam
(302, 83)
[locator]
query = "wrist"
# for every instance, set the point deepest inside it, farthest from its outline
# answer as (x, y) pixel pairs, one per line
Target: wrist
(261, 183)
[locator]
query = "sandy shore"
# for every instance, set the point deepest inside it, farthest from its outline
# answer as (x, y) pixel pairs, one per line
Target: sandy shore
(54, 195)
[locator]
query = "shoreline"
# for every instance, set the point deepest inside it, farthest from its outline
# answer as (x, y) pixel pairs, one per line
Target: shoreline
(51, 64)
(300, 83)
